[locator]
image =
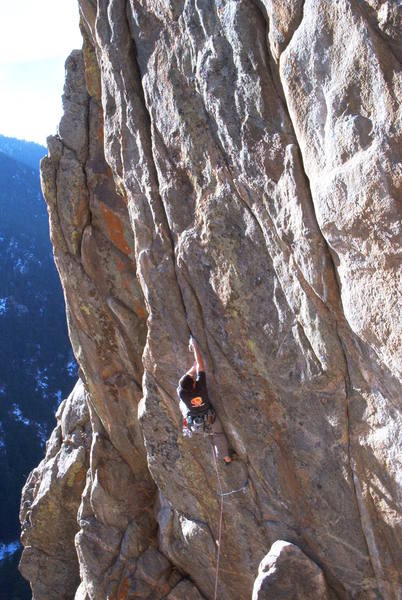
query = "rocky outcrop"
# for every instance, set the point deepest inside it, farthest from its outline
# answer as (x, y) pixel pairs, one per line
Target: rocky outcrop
(50, 501)
(231, 168)
(285, 573)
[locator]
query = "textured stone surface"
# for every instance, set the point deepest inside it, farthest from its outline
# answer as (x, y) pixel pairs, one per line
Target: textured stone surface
(344, 108)
(93, 245)
(232, 167)
(185, 590)
(285, 573)
(50, 500)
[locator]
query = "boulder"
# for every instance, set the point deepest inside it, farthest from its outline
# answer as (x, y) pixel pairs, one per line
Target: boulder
(286, 573)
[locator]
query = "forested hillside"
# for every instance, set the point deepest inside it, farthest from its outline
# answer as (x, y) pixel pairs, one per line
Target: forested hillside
(28, 153)
(36, 363)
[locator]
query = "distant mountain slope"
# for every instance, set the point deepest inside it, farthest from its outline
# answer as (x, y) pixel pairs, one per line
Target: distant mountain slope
(27, 153)
(36, 363)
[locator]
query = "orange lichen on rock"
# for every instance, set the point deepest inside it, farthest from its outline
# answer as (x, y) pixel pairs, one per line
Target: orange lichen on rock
(120, 265)
(122, 592)
(139, 309)
(115, 229)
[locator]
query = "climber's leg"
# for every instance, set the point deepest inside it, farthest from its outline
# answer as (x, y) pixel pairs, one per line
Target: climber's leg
(220, 441)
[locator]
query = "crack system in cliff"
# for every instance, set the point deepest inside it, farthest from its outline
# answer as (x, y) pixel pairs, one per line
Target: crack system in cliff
(336, 312)
(187, 299)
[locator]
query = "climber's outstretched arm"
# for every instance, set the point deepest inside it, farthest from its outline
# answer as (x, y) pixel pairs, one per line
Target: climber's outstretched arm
(193, 371)
(197, 355)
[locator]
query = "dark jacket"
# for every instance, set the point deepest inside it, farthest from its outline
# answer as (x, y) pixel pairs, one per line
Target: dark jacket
(196, 399)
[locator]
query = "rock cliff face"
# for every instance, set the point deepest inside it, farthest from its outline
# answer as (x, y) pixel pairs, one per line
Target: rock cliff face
(229, 168)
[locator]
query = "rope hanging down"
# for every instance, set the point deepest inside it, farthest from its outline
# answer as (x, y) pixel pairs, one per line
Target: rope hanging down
(220, 521)
(222, 496)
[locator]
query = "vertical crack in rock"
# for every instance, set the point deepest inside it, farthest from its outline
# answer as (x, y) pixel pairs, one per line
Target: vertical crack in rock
(100, 286)
(364, 504)
(149, 130)
(223, 155)
(236, 147)
(335, 312)
(385, 20)
(367, 532)
(282, 21)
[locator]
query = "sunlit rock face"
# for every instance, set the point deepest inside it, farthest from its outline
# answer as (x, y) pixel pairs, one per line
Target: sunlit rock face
(231, 168)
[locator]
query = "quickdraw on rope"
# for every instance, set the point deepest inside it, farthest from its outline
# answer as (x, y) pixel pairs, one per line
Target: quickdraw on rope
(222, 495)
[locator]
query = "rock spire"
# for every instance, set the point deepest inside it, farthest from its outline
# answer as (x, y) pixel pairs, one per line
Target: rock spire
(231, 168)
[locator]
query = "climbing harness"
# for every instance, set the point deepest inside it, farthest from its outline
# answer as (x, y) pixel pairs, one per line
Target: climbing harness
(222, 495)
(199, 423)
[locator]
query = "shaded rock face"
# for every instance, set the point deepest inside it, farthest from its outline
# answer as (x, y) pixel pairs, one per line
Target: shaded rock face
(231, 168)
(50, 501)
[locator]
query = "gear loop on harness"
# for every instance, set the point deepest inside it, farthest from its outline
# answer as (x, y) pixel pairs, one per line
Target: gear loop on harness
(200, 423)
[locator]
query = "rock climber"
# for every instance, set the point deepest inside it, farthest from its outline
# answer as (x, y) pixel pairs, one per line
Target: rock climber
(198, 413)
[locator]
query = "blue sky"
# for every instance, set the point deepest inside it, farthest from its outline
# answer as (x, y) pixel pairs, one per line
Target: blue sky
(36, 37)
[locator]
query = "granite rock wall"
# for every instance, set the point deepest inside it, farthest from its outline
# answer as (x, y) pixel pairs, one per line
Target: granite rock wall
(231, 168)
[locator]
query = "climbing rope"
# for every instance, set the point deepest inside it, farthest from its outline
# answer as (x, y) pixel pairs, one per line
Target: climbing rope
(220, 520)
(222, 495)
